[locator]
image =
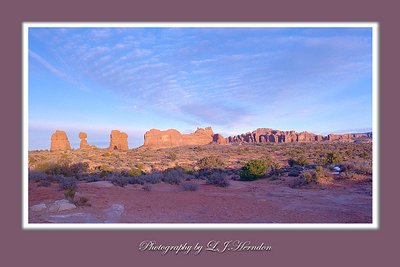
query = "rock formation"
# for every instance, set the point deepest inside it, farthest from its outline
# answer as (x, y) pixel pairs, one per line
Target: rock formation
(59, 141)
(266, 135)
(84, 144)
(118, 140)
(173, 138)
(219, 139)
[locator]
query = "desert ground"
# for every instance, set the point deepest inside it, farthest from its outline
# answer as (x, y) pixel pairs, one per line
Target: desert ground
(320, 182)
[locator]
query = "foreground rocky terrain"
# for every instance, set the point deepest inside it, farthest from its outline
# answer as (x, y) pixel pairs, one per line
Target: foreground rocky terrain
(318, 182)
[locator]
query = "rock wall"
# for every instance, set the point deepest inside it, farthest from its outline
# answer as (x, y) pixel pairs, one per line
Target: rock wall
(219, 139)
(266, 135)
(173, 138)
(118, 140)
(59, 141)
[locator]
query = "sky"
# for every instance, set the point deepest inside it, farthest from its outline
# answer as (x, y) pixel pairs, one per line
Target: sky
(232, 79)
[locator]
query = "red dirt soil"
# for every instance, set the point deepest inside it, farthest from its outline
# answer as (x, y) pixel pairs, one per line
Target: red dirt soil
(259, 201)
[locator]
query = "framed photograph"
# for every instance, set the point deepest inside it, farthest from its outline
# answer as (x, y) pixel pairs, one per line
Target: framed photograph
(203, 125)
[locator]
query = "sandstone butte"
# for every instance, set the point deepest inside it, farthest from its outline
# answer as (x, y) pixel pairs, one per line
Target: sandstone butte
(173, 138)
(59, 141)
(118, 140)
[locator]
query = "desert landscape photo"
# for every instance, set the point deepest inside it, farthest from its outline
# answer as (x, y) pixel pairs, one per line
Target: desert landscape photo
(199, 125)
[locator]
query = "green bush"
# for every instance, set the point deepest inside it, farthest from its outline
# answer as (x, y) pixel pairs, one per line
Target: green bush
(321, 173)
(135, 172)
(69, 194)
(299, 161)
(253, 170)
(332, 157)
(310, 176)
(210, 162)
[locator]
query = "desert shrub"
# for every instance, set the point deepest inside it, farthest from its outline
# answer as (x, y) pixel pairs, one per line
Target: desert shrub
(276, 169)
(82, 201)
(364, 155)
(310, 176)
(190, 187)
(172, 156)
(36, 176)
(135, 172)
(363, 167)
(173, 175)
(188, 169)
(347, 175)
(210, 162)
(136, 180)
(63, 167)
(93, 177)
(79, 168)
(105, 170)
(299, 161)
(216, 177)
(153, 178)
(297, 182)
(346, 166)
(322, 173)
(253, 170)
(294, 173)
(332, 157)
(44, 183)
(69, 194)
(140, 166)
(118, 180)
(147, 187)
(68, 183)
(46, 167)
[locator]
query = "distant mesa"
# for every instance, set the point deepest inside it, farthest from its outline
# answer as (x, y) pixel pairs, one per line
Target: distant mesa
(173, 138)
(59, 141)
(84, 144)
(118, 140)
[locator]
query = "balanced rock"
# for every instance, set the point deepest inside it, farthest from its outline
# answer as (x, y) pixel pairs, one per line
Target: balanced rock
(84, 144)
(118, 140)
(59, 141)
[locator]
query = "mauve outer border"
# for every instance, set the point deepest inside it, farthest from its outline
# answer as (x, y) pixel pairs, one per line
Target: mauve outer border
(120, 248)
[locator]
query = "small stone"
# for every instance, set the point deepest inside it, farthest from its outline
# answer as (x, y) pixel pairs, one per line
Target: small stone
(39, 207)
(61, 205)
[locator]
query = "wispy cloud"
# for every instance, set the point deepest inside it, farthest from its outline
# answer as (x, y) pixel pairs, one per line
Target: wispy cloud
(56, 71)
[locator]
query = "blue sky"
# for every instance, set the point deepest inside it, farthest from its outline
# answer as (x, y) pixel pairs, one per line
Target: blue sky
(233, 79)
